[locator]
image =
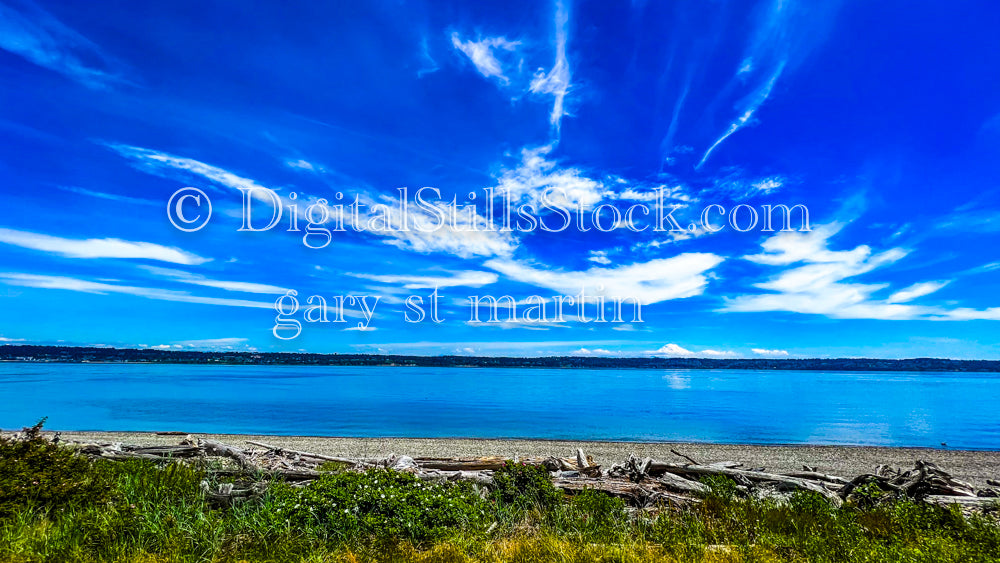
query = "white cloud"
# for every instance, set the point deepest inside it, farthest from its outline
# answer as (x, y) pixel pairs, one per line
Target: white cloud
(916, 290)
(111, 197)
(677, 351)
(814, 281)
(102, 288)
(99, 248)
(213, 343)
(46, 42)
(482, 54)
(167, 165)
(196, 279)
(674, 193)
(556, 81)
(818, 286)
(300, 164)
(534, 175)
(649, 282)
(717, 353)
(5, 339)
(467, 278)
(789, 247)
(751, 105)
(468, 237)
(592, 352)
(599, 257)
(767, 186)
(766, 352)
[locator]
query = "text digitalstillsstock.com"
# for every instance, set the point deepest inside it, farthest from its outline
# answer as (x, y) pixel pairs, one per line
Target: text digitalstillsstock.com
(553, 211)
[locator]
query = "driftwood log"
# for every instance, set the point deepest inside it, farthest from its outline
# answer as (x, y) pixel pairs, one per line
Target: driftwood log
(643, 483)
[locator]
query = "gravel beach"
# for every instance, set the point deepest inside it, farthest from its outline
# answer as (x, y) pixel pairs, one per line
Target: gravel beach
(974, 467)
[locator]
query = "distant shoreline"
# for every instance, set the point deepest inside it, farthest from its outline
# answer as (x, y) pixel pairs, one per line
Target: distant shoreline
(63, 354)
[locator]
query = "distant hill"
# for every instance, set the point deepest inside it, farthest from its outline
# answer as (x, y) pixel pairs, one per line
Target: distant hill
(27, 353)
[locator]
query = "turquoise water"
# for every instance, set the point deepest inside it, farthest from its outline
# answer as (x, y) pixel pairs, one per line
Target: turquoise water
(763, 407)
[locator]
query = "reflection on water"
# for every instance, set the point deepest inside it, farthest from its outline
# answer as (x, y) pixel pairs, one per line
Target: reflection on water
(912, 409)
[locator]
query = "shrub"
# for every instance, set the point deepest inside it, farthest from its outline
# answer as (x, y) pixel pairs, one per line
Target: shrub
(521, 485)
(721, 488)
(35, 473)
(600, 514)
(379, 504)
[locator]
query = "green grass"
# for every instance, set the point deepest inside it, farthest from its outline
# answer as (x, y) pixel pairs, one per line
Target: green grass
(60, 507)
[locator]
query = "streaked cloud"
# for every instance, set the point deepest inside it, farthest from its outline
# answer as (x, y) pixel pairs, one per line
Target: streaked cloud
(167, 165)
(916, 290)
(196, 279)
(467, 278)
(99, 247)
(749, 107)
(35, 35)
(556, 82)
(113, 197)
(103, 288)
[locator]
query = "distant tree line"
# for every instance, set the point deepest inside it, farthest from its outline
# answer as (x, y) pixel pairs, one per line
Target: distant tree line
(29, 353)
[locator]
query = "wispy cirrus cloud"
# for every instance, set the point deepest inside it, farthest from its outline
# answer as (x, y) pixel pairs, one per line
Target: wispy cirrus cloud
(916, 290)
(748, 107)
(104, 288)
(466, 236)
(784, 33)
(483, 52)
(167, 165)
(111, 197)
(556, 82)
(535, 174)
(37, 36)
(453, 279)
(427, 63)
(197, 279)
(99, 247)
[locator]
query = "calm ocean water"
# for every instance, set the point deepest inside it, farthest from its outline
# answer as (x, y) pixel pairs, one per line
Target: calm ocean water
(792, 407)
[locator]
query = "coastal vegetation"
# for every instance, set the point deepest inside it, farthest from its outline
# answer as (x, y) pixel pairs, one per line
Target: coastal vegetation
(59, 505)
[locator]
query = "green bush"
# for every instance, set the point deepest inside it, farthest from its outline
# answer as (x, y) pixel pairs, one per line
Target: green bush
(37, 474)
(600, 514)
(721, 488)
(522, 485)
(378, 504)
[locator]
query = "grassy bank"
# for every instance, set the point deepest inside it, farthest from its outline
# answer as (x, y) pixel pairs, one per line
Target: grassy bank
(57, 506)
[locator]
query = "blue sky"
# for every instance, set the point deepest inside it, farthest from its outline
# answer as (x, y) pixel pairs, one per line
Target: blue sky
(883, 119)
